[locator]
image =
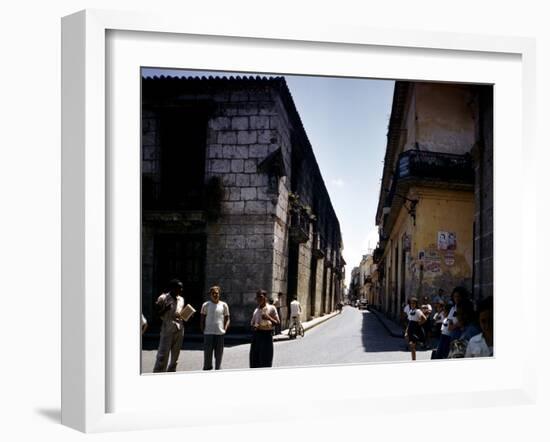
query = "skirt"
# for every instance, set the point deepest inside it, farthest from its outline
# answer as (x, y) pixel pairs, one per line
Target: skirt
(415, 332)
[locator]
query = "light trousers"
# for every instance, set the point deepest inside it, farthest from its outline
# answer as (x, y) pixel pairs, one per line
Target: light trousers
(169, 346)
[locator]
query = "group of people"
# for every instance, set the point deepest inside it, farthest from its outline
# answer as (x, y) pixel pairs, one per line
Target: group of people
(461, 329)
(214, 323)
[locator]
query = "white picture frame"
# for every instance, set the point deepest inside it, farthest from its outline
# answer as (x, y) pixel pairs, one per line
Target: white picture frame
(91, 319)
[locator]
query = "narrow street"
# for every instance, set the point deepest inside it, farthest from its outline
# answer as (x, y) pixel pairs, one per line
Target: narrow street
(354, 336)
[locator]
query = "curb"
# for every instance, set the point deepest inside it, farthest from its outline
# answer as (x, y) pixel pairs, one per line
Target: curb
(384, 323)
(307, 326)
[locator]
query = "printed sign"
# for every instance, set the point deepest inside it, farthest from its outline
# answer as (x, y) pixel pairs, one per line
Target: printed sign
(451, 241)
(442, 240)
(446, 240)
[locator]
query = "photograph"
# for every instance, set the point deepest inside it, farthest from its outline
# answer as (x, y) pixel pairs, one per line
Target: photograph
(296, 220)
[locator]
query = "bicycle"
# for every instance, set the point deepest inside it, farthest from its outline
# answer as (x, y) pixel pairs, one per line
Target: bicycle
(295, 330)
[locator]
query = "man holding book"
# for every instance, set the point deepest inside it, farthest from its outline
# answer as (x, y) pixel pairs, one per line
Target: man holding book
(173, 314)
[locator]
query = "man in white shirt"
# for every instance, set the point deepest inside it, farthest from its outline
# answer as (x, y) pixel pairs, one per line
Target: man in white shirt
(295, 312)
(214, 325)
(170, 306)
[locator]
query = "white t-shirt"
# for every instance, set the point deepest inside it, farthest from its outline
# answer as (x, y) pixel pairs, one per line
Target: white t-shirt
(414, 314)
(477, 347)
(214, 317)
(439, 317)
(450, 319)
(295, 308)
(407, 309)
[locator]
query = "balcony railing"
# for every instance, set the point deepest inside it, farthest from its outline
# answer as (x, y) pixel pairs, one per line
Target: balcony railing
(435, 165)
(431, 167)
(299, 227)
(318, 246)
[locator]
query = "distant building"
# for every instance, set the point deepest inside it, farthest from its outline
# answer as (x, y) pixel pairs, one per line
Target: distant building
(232, 195)
(435, 207)
(363, 285)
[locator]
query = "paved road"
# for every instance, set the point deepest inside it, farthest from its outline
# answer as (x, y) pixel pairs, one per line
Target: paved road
(352, 337)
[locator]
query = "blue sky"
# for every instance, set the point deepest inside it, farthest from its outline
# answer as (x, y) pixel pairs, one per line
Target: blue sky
(346, 121)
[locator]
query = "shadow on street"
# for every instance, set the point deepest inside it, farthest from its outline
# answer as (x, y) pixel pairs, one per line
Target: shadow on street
(194, 342)
(376, 338)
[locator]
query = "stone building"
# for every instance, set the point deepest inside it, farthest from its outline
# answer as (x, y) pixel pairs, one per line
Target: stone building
(435, 207)
(233, 196)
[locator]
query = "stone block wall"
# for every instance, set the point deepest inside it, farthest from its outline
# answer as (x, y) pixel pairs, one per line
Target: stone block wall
(247, 242)
(304, 276)
(245, 246)
(150, 154)
(483, 234)
(319, 287)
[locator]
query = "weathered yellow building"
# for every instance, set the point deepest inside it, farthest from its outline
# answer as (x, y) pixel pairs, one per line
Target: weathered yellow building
(427, 207)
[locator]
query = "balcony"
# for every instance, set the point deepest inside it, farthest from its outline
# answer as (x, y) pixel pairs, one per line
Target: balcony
(435, 166)
(318, 246)
(423, 169)
(377, 254)
(442, 170)
(299, 227)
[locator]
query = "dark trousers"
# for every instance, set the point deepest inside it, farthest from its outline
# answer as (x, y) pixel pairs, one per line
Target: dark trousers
(213, 344)
(261, 349)
(443, 347)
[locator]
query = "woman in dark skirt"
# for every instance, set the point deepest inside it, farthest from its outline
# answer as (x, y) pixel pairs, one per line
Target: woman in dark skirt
(415, 332)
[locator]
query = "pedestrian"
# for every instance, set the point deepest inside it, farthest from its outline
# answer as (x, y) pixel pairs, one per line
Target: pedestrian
(426, 308)
(438, 318)
(264, 319)
(467, 328)
(170, 306)
(405, 321)
(481, 345)
(214, 324)
(440, 297)
(450, 326)
(277, 305)
(414, 332)
(295, 313)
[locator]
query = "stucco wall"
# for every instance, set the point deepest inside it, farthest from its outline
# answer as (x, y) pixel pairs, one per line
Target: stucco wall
(440, 118)
(447, 211)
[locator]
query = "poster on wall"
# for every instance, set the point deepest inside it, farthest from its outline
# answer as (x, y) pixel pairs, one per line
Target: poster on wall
(442, 240)
(446, 240)
(451, 241)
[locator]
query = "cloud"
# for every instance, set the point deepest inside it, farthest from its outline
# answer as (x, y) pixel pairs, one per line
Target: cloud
(338, 182)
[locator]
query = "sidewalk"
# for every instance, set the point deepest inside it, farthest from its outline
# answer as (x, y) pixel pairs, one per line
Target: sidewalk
(243, 337)
(283, 336)
(393, 329)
